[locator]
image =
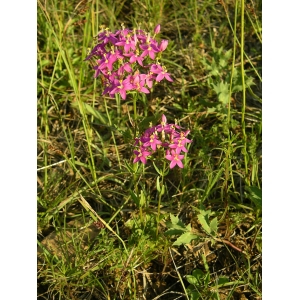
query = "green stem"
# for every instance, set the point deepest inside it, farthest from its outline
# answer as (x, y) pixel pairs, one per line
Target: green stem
(244, 86)
(134, 109)
(161, 192)
(118, 103)
(135, 166)
(112, 133)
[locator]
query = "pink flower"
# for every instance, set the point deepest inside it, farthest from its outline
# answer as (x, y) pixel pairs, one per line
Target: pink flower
(121, 87)
(153, 142)
(139, 85)
(175, 159)
(98, 50)
(178, 146)
(148, 78)
(161, 73)
(117, 56)
(126, 67)
(141, 155)
(163, 137)
(107, 36)
(182, 137)
(128, 44)
(107, 61)
(149, 49)
(135, 57)
(163, 124)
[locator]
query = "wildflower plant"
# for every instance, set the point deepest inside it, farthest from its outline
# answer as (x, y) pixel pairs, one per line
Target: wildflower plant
(128, 61)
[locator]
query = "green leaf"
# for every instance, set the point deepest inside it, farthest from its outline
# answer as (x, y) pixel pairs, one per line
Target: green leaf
(255, 195)
(176, 105)
(249, 81)
(204, 222)
(238, 83)
(157, 184)
(192, 292)
(222, 90)
(92, 111)
(174, 219)
(211, 110)
(174, 231)
(188, 227)
(191, 279)
(223, 63)
(222, 280)
(204, 211)
(199, 274)
(214, 69)
(228, 54)
(176, 224)
(237, 88)
(207, 279)
(163, 190)
(134, 197)
(214, 225)
(129, 168)
(157, 169)
(142, 199)
(45, 62)
(185, 238)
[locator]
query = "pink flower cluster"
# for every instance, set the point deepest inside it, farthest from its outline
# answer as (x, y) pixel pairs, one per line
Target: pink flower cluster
(126, 60)
(164, 136)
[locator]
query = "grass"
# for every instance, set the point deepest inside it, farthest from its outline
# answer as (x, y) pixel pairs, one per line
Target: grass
(111, 229)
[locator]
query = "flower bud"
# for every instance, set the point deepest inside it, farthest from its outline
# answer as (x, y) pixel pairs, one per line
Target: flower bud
(163, 45)
(157, 29)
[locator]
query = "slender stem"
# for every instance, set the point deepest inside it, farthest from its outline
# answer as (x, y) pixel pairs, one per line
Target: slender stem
(135, 166)
(232, 70)
(112, 133)
(118, 103)
(237, 40)
(161, 192)
(134, 109)
(244, 87)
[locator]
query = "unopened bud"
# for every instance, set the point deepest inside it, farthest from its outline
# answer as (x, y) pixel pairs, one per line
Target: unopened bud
(157, 29)
(163, 45)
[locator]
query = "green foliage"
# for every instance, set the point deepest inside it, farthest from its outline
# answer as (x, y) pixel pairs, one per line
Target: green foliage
(200, 285)
(210, 227)
(255, 194)
(176, 227)
(187, 234)
(219, 80)
(155, 222)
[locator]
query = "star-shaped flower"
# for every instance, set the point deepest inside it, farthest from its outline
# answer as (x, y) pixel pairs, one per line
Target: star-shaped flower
(141, 155)
(175, 159)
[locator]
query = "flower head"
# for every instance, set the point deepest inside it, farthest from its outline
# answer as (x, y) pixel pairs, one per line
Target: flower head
(163, 137)
(122, 54)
